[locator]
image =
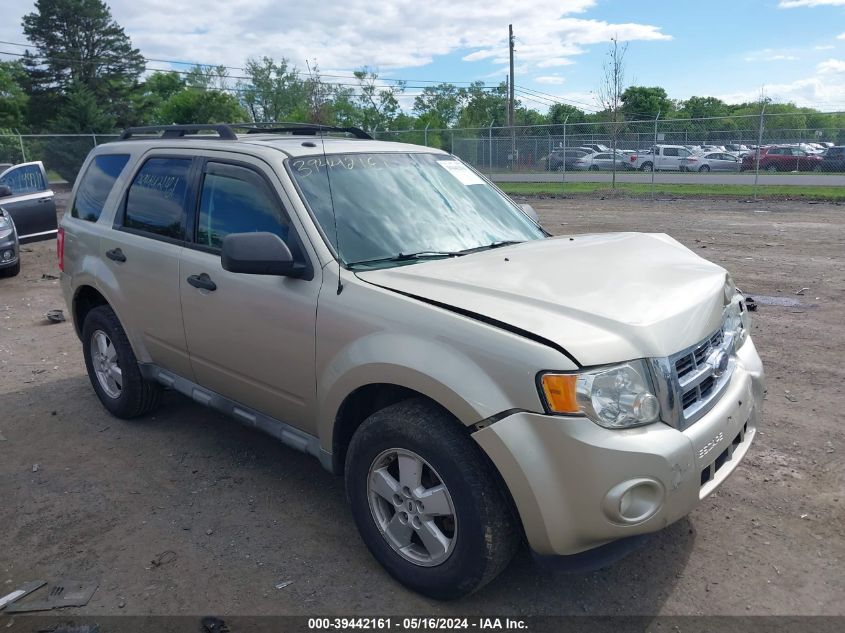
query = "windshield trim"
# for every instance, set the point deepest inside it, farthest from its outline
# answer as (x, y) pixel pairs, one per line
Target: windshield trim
(332, 250)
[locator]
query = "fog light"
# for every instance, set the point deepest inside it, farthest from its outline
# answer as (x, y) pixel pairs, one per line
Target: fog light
(633, 501)
(8, 254)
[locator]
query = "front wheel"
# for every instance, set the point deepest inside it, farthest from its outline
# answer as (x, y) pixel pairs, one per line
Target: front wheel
(594, 167)
(771, 167)
(426, 501)
(647, 167)
(113, 368)
(11, 271)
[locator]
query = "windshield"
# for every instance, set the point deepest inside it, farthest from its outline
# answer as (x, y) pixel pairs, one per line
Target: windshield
(400, 208)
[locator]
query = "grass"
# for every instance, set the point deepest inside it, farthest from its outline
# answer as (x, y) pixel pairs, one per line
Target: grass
(806, 192)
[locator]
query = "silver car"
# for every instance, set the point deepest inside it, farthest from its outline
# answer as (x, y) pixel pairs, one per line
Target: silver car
(605, 160)
(711, 161)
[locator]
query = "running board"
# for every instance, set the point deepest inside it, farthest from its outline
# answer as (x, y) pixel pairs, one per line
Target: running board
(285, 433)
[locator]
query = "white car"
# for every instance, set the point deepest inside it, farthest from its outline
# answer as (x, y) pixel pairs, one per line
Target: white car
(711, 161)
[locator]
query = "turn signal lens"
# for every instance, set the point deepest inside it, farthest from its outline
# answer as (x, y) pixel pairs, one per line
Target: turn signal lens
(560, 392)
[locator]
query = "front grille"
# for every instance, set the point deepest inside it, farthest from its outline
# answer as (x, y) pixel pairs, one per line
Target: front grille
(689, 383)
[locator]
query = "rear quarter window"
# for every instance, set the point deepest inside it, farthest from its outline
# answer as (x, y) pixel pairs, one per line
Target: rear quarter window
(155, 202)
(96, 185)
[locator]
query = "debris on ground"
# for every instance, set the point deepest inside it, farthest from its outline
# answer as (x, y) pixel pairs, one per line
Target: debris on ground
(789, 396)
(63, 593)
(70, 627)
(164, 558)
(55, 316)
(210, 624)
(801, 291)
(35, 468)
(283, 584)
(751, 304)
(20, 592)
(48, 276)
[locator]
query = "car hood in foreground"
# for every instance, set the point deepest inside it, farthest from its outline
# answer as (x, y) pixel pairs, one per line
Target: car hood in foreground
(603, 298)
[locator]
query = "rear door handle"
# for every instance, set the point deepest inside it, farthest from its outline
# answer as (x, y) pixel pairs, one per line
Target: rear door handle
(116, 254)
(202, 281)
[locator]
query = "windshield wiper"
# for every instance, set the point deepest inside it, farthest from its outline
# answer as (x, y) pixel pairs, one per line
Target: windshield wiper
(404, 257)
(487, 247)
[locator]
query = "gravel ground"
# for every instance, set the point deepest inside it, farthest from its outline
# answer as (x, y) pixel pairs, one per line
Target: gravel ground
(228, 515)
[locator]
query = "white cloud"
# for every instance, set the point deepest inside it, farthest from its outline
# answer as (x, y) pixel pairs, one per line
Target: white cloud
(841, 36)
(353, 33)
(826, 47)
(771, 55)
(792, 4)
(549, 79)
(825, 89)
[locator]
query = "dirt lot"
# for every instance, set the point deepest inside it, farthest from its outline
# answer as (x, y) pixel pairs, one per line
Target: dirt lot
(241, 514)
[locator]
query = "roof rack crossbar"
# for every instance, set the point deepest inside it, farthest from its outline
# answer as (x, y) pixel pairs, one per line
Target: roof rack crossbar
(310, 129)
(224, 132)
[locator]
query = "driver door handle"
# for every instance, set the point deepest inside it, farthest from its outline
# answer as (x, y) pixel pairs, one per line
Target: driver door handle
(202, 281)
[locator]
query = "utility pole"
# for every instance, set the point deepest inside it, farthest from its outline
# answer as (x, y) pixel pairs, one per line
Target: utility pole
(510, 86)
(511, 98)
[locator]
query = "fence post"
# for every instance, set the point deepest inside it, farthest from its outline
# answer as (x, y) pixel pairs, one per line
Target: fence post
(759, 143)
(23, 151)
(425, 134)
(654, 153)
(490, 144)
(563, 178)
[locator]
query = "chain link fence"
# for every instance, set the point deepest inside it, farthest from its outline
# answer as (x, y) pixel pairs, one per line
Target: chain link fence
(658, 150)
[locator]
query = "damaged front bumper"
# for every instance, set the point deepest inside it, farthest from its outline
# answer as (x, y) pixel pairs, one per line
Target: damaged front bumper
(578, 486)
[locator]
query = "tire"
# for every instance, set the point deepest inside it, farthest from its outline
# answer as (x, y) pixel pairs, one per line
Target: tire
(481, 531)
(771, 167)
(11, 271)
(594, 167)
(646, 167)
(134, 396)
(817, 168)
(704, 168)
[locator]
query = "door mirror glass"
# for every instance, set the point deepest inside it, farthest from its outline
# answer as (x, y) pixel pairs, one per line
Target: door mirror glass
(5, 191)
(259, 253)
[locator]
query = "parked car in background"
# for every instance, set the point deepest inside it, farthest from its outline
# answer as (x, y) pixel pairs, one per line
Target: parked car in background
(661, 158)
(737, 148)
(834, 159)
(711, 161)
(10, 263)
(558, 158)
(596, 147)
(27, 197)
(606, 160)
(783, 158)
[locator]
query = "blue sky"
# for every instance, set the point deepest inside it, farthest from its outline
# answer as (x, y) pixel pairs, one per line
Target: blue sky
(795, 48)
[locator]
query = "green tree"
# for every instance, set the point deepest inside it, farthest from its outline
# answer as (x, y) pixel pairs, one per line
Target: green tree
(378, 104)
(438, 106)
(643, 103)
(194, 105)
(156, 89)
(483, 105)
(703, 107)
(81, 114)
(274, 91)
(559, 112)
(13, 99)
(79, 43)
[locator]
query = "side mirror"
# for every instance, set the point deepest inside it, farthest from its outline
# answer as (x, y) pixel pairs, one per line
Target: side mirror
(528, 210)
(5, 191)
(258, 254)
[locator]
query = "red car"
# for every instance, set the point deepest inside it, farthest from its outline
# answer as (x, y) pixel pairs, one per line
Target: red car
(779, 158)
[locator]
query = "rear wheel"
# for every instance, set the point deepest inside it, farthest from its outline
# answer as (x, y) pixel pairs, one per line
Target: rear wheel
(113, 368)
(594, 167)
(647, 167)
(771, 167)
(426, 501)
(704, 168)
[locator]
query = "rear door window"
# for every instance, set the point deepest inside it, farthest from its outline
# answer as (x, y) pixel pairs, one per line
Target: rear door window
(670, 151)
(96, 185)
(156, 201)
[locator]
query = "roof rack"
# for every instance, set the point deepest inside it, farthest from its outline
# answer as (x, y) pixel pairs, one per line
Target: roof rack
(310, 129)
(226, 131)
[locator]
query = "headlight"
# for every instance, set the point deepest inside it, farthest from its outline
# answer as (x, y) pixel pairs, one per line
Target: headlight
(615, 397)
(5, 227)
(736, 322)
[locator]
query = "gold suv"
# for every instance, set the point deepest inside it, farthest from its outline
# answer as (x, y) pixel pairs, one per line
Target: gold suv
(388, 310)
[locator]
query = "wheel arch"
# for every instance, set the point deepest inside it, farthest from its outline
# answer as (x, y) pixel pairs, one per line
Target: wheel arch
(85, 299)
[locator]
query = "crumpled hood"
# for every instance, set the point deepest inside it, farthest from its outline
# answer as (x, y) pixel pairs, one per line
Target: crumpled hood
(604, 298)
